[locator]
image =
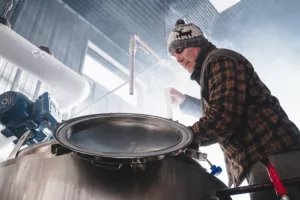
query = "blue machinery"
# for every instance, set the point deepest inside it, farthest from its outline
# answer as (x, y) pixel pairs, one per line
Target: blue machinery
(19, 115)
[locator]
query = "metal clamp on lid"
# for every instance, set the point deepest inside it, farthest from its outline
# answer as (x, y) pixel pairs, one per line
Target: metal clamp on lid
(195, 154)
(199, 156)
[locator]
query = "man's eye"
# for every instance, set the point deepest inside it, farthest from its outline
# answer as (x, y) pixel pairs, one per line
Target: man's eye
(180, 50)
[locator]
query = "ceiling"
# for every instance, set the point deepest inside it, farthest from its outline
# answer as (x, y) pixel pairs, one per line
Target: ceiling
(151, 20)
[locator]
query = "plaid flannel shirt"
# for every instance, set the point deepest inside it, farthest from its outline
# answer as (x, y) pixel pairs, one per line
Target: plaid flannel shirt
(239, 113)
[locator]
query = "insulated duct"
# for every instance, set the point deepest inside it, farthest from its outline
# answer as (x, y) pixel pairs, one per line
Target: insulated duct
(67, 87)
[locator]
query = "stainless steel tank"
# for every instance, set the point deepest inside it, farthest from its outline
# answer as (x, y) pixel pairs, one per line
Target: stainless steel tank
(50, 171)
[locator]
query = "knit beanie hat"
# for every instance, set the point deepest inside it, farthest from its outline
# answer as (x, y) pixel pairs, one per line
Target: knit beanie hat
(185, 35)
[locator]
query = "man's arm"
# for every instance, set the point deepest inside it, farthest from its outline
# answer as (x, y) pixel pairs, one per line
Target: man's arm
(191, 106)
(227, 94)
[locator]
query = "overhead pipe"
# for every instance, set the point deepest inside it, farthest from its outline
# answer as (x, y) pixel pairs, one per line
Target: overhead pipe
(137, 38)
(132, 51)
(68, 88)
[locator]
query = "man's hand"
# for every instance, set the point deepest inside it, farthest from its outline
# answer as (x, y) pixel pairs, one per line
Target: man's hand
(177, 97)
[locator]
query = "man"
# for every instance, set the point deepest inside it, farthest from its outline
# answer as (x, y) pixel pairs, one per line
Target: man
(238, 111)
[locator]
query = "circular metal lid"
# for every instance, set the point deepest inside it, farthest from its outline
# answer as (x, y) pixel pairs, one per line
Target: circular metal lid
(123, 135)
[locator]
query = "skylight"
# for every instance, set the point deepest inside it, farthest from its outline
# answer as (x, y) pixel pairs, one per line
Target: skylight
(99, 73)
(222, 5)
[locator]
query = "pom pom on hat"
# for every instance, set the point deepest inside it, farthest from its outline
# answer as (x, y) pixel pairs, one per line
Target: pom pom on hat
(179, 22)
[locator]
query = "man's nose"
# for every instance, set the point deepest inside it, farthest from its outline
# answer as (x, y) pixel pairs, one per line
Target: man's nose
(178, 58)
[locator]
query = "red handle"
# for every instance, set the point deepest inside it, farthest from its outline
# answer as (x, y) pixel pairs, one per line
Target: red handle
(278, 186)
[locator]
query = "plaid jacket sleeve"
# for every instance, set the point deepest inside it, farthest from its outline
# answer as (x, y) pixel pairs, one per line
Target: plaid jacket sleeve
(191, 106)
(225, 107)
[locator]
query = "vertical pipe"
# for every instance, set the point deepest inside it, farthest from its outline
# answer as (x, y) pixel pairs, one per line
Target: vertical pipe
(16, 81)
(8, 7)
(37, 90)
(132, 51)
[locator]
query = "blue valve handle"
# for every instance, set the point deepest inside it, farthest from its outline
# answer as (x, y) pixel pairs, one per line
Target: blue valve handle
(215, 170)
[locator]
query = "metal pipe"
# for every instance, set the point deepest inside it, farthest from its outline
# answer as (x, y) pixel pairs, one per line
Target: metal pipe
(37, 90)
(8, 7)
(137, 38)
(132, 51)
(16, 82)
(255, 188)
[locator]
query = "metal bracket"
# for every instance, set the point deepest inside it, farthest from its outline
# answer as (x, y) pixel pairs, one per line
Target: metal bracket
(59, 150)
(107, 165)
(16, 149)
(195, 154)
(138, 163)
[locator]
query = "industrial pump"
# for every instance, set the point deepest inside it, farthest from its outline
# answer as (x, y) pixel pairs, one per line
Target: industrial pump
(19, 114)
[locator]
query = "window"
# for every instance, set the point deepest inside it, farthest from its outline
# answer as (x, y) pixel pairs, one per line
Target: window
(7, 75)
(107, 75)
(222, 5)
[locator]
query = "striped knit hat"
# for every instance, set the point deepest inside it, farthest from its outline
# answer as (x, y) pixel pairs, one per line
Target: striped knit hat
(185, 35)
